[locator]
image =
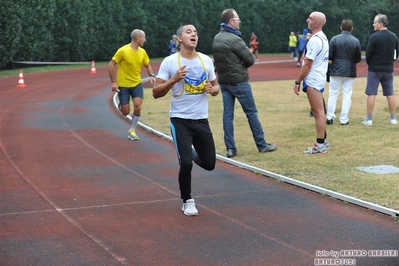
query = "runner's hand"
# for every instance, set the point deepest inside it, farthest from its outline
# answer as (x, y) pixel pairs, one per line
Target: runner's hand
(297, 89)
(115, 87)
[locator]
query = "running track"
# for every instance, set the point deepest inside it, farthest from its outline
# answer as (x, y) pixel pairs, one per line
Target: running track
(75, 191)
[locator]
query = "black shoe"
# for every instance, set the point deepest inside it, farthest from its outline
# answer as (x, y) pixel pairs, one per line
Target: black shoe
(310, 114)
(231, 153)
(344, 124)
(269, 148)
(330, 121)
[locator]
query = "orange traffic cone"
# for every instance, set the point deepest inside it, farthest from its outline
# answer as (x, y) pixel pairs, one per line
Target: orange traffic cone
(93, 68)
(21, 83)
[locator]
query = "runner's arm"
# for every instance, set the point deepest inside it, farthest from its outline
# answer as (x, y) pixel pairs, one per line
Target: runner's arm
(162, 87)
(112, 75)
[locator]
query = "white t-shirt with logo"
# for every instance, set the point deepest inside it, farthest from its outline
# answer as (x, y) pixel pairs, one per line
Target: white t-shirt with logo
(192, 102)
(317, 50)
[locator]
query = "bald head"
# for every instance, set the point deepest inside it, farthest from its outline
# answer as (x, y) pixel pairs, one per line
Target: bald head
(320, 18)
(136, 33)
(316, 21)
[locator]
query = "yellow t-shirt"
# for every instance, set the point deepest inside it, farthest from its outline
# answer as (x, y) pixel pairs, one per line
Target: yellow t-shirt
(292, 41)
(129, 65)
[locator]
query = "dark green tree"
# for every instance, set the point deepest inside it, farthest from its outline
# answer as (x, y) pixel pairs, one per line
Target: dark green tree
(84, 30)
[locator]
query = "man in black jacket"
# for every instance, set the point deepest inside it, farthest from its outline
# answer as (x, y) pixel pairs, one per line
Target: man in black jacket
(232, 59)
(381, 53)
(344, 54)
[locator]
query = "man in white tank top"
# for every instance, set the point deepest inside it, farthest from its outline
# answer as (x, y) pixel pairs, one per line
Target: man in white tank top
(313, 76)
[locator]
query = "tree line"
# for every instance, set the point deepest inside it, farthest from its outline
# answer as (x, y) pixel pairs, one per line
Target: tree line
(85, 30)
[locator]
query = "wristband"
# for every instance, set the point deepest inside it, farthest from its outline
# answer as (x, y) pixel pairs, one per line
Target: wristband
(153, 75)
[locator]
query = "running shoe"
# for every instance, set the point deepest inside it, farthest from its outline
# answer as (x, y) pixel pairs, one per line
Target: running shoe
(132, 135)
(367, 122)
(189, 208)
(316, 149)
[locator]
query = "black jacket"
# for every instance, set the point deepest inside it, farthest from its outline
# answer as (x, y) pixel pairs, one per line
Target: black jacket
(345, 52)
(382, 51)
(232, 57)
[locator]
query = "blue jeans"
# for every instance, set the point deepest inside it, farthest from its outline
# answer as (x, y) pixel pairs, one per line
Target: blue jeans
(243, 92)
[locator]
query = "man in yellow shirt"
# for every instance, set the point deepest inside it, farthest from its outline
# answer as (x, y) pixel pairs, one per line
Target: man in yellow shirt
(126, 77)
(292, 44)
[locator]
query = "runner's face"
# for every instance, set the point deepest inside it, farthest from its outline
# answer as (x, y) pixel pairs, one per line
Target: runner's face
(141, 40)
(189, 37)
(311, 22)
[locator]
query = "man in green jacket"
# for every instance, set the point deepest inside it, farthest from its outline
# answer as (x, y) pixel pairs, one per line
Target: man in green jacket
(232, 59)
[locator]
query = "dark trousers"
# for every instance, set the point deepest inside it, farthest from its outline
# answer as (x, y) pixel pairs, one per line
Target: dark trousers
(187, 132)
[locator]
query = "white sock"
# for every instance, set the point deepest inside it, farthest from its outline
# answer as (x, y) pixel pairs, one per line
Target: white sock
(135, 120)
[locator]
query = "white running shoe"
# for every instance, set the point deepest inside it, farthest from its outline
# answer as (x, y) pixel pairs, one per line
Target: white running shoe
(367, 122)
(326, 145)
(189, 208)
(316, 150)
(394, 121)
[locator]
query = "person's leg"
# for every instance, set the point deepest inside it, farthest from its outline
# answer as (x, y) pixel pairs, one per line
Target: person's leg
(333, 92)
(316, 103)
(125, 109)
(137, 103)
(182, 138)
(391, 104)
(292, 50)
(182, 133)
(228, 117)
(388, 91)
(347, 85)
(124, 100)
(392, 109)
(243, 92)
(370, 104)
(373, 82)
(300, 54)
(204, 145)
(136, 94)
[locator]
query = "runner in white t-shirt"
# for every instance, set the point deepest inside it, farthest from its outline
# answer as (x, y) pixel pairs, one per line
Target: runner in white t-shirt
(190, 76)
(313, 75)
(317, 51)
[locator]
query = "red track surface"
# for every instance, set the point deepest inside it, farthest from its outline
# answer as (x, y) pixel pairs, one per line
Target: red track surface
(75, 191)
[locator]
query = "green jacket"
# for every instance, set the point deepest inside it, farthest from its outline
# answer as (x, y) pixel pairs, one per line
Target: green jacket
(232, 57)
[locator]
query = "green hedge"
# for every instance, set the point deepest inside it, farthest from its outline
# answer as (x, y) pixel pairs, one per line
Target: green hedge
(85, 30)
